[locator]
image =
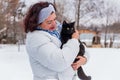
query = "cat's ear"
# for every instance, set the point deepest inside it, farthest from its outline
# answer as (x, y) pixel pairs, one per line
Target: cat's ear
(73, 23)
(64, 22)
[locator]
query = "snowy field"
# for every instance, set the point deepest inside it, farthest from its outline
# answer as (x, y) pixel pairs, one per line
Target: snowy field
(104, 64)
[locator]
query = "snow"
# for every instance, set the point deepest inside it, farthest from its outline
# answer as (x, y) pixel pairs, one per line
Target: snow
(14, 65)
(103, 63)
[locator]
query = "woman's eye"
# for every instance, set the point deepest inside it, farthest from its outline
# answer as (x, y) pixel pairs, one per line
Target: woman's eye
(49, 22)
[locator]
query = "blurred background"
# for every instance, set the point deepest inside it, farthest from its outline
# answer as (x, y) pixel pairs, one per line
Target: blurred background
(98, 21)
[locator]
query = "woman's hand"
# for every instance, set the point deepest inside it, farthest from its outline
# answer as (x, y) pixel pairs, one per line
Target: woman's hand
(75, 35)
(82, 60)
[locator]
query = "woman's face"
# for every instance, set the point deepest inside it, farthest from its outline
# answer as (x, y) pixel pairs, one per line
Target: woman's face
(49, 23)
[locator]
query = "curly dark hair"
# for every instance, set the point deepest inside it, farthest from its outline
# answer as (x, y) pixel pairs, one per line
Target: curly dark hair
(31, 18)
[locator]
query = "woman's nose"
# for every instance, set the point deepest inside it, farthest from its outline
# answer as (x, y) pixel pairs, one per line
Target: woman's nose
(54, 23)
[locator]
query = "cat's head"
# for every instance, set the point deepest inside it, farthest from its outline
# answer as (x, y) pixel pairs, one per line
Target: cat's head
(68, 28)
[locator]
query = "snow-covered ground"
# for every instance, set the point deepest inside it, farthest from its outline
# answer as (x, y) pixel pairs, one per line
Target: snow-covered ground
(103, 63)
(14, 65)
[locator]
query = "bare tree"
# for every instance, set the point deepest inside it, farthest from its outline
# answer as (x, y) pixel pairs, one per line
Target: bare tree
(109, 11)
(60, 11)
(78, 2)
(87, 10)
(8, 8)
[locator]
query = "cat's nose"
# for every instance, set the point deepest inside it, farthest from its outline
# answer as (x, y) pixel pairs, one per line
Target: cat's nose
(73, 31)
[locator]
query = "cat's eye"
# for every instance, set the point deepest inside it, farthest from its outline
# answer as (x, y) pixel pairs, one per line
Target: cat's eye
(67, 28)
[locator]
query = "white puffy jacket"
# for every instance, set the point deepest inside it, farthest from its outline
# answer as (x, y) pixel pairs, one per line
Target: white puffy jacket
(47, 60)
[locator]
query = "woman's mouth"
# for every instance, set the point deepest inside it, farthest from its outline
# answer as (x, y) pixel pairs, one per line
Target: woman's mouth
(52, 28)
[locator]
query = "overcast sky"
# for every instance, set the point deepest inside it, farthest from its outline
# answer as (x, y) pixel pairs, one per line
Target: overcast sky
(113, 2)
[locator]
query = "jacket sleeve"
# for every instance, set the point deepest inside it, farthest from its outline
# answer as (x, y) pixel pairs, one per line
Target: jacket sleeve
(50, 56)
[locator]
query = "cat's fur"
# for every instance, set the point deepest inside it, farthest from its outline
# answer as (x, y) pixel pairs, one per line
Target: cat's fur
(66, 34)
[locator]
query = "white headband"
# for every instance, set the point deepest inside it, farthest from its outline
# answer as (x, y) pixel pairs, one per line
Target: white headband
(44, 13)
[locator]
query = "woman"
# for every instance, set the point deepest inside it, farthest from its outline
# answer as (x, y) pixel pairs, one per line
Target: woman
(48, 61)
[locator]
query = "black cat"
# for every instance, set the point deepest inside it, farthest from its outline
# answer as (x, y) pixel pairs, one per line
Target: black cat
(66, 34)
